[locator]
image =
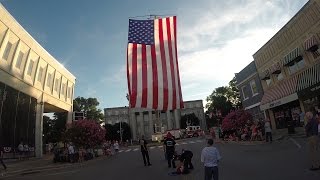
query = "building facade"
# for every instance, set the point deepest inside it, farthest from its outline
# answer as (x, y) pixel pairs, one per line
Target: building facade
(147, 122)
(32, 82)
(288, 66)
(251, 91)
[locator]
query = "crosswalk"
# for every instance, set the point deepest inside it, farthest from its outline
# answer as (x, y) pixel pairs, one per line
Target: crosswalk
(135, 149)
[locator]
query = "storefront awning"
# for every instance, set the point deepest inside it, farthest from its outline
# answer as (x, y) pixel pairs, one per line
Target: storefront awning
(309, 77)
(292, 56)
(276, 68)
(283, 89)
(311, 44)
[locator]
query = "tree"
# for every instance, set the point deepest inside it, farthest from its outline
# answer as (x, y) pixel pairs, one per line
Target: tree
(190, 119)
(126, 131)
(236, 119)
(89, 107)
(211, 120)
(224, 99)
(111, 132)
(85, 133)
(53, 128)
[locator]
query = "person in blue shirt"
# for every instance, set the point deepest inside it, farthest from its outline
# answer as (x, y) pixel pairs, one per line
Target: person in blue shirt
(210, 157)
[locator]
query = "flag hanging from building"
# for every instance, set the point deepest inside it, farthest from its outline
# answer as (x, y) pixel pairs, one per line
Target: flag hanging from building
(152, 64)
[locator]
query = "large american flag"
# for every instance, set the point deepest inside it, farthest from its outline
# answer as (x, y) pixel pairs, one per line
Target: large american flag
(152, 64)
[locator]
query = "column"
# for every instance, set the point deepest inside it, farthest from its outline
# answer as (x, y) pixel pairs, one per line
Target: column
(176, 113)
(69, 116)
(39, 129)
(141, 122)
(169, 123)
(150, 124)
(133, 125)
(271, 116)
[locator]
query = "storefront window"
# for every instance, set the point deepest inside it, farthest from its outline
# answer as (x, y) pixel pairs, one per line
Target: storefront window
(280, 76)
(288, 113)
(296, 66)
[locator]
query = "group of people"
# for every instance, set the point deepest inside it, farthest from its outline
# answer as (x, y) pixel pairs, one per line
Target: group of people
(110, 148)
(210, 157)
(23, 150)
(257, 131)
(312, 129)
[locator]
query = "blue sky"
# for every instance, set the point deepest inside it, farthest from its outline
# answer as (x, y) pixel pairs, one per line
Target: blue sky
(89, 37)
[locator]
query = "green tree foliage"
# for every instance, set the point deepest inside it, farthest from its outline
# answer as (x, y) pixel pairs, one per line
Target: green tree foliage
(212, 121)
(89, 107)
(53, 128)
(224, 98)
(112, 131)
(190, 119)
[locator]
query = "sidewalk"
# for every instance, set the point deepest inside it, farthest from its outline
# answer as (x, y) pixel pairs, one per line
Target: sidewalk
(33, 165)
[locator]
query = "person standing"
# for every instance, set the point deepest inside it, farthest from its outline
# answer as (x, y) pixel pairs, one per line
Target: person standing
(312, 137)
(71, 153)
(267, 129)
(210, 156)
(169, 148)
(1, 158)
(116, 147)
(145, 151)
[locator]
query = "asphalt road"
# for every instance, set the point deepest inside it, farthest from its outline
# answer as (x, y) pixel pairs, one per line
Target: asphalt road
(283, 160)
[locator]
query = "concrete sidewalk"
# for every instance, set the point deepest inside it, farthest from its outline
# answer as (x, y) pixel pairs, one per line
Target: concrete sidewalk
(33, 165)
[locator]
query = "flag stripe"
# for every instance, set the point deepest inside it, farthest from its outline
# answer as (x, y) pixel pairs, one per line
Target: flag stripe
(159, 65)
(150, 77)
(134, 76)
(129, 70)
(154, 77)
(173, 87)
(144, 77)
(179, 84)
(139, 75)
(164, 66)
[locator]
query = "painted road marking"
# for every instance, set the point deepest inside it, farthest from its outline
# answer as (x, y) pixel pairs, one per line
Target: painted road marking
(295, 142)
(136, 149)
(128, 150)
(184, 143)
(121, 151)
(199, 140)
(152, 147)
(160, 146)
(191, 142)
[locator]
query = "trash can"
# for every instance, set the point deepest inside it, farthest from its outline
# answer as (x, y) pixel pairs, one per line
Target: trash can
(291, 127)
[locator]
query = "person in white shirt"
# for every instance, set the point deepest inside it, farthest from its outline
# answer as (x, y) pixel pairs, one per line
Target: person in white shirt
(116, 146)
(210, 156)
(267, 128)
(71, 152)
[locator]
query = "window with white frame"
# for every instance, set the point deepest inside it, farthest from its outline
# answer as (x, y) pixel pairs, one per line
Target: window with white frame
(254, 88)
(269, 82)
(280, 76)
(19, 60)
(244, 93)
(30, 67)
(296, 66)
(40, 74)
(6, 52)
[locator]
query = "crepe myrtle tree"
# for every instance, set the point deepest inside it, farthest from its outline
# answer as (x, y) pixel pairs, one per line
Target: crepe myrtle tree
(85, 133)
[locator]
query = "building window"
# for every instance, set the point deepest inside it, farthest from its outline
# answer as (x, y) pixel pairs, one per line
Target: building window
(30, 67)
(245, 96)
(254, 88)
(57, 85)
(40, 73)
(280, 76)
(63, 89)
(69, 92)
(6, 53)
(49, 80)
(19, 60)
(269, 81)
(296, 66)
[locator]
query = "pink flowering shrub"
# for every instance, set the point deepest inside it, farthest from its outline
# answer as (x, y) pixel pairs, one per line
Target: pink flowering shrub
(86, 133)
(236, 119)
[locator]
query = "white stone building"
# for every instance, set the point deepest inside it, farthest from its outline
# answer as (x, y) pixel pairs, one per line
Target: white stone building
(146, 122)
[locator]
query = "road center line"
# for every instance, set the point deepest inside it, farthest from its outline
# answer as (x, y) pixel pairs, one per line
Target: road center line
(295, 142)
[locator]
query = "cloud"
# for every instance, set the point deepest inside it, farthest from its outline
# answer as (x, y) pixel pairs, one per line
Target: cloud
(216, 43)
